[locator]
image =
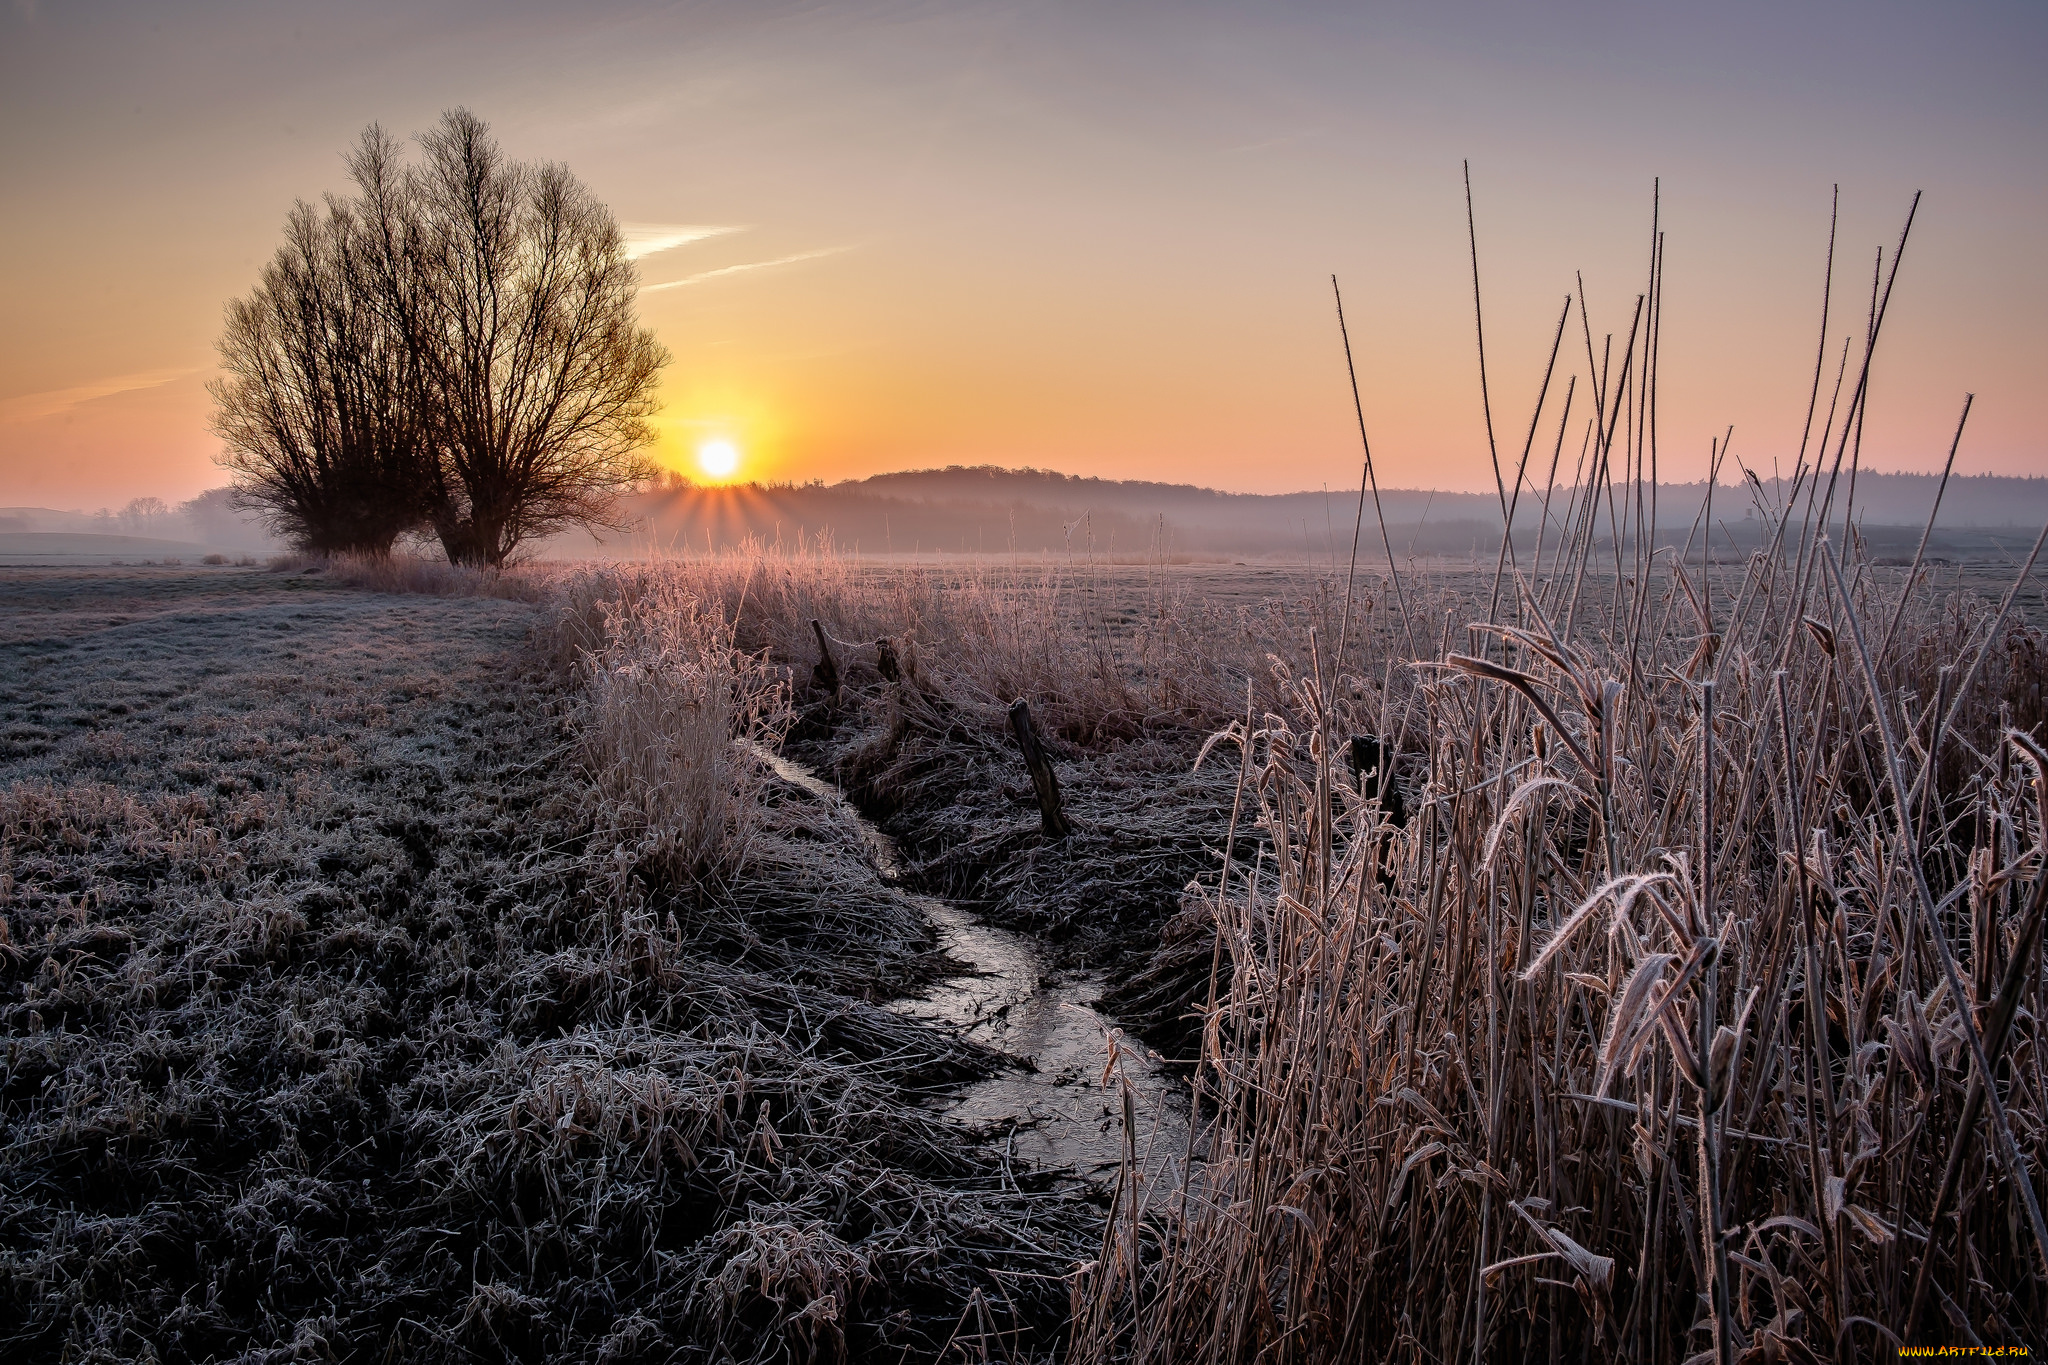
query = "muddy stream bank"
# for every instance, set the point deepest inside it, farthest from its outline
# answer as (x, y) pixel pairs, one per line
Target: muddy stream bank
(1052, 1109)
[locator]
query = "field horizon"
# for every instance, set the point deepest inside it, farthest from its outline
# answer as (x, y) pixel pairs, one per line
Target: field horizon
(963, 510)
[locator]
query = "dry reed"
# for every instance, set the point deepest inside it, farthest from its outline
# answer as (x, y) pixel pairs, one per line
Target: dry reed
(1695, 1015)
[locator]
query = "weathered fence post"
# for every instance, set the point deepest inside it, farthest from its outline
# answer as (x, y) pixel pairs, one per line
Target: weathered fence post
(826, 674)
(1051, 818)
(1372, 771)
(885, 659)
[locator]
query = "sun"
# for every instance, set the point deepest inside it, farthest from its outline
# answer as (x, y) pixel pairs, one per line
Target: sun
(718, 458)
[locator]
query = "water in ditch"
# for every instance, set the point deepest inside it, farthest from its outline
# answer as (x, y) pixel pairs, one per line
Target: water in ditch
(1057, 1108)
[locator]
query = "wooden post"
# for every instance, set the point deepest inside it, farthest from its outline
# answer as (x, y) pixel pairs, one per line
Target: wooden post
(1371, 769)
(826, 674)
(1051, 818)
(885, 659)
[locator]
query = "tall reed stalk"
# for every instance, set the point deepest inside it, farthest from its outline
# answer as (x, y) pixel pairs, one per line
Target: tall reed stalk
(1696, 1014)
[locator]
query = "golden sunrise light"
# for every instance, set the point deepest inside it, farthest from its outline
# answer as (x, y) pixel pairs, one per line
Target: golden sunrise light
(718, 458)
(936, 239)
(1401, 580)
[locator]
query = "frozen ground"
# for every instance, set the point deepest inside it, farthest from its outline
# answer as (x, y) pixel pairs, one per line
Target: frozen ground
(176, 681)
(72, 548)
(327, 1035)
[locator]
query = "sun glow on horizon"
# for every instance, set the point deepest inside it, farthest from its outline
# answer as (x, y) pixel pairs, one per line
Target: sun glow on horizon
(718, 458)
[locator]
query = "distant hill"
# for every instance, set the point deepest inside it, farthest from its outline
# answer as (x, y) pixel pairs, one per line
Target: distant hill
(988, 510)
(1975, 501)
(1980, 501)
(203, 525)
(904, 514)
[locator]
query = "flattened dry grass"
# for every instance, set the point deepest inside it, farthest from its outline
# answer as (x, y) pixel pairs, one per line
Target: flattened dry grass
(335, 1026)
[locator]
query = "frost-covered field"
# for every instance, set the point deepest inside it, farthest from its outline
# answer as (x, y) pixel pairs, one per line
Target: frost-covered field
(329, 1032)
(203, 683)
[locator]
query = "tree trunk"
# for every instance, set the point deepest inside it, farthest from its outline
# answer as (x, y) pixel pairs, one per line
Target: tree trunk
(454, 543)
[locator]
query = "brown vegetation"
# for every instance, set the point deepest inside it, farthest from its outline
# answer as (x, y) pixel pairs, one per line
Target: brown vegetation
(1694, 1014)
(1645, 1040)
(1621, 954)
(578, 1027)
(1501, 1081)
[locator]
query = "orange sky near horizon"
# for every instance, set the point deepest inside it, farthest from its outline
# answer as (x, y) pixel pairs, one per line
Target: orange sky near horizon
(1048, 234)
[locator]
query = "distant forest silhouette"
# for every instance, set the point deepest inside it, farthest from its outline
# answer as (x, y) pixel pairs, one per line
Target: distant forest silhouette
(990, 510)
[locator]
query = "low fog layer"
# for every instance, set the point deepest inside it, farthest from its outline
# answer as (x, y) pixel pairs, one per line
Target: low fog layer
(997, 511)
(145, 528)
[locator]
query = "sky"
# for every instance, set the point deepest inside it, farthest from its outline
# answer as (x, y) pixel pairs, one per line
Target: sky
(1086, 237)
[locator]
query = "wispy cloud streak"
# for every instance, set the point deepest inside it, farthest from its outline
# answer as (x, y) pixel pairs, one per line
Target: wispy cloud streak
(646, 239)
(724, 270)
(30, 407)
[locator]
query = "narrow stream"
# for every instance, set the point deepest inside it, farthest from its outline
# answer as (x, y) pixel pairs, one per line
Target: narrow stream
(1056, 1108)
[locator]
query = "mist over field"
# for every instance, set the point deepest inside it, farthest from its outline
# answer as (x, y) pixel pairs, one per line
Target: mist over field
(989, 511)
(999, 512)
(145, 528)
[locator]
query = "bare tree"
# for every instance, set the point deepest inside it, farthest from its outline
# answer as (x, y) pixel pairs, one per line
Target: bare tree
(144, 514)
(513, 289)
(454, 349)
(317, 404)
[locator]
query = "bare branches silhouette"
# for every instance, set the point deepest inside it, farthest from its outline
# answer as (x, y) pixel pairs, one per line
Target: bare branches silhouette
(452, 351)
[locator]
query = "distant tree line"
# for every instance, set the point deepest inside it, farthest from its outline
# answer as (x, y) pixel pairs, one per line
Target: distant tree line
(451, 351)
(144, 515)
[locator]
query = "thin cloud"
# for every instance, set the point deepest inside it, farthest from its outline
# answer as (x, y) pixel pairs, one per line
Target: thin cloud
(702, 276)
(30, 407)
(645, 239)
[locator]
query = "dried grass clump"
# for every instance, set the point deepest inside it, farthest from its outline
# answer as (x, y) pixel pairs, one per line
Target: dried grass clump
(409, 573)
(783, 1280)
(668, 699)
(1694, 1016)
(737, 1169)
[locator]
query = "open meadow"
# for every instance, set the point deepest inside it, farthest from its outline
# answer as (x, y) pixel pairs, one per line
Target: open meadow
(583, 963)
(337, 1024)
